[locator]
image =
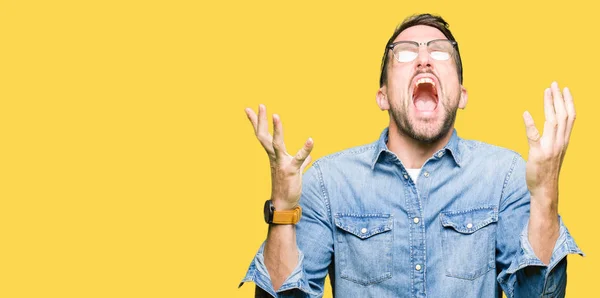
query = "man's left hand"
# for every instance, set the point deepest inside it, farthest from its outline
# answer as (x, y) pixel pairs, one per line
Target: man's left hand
(546, 154)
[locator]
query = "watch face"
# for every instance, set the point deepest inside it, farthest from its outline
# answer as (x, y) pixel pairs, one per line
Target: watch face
(268, 212)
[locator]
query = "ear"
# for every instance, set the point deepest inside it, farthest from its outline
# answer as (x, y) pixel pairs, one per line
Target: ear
(462, 102)
(382, 99)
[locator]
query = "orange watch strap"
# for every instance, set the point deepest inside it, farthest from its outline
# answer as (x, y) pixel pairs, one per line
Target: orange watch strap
(287, 217)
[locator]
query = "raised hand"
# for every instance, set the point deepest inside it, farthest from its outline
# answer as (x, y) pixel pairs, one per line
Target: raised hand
(286, 170)
(546, 152)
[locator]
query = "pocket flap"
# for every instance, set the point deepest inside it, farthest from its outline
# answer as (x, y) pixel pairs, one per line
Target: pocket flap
(469, 221)
(364, 226)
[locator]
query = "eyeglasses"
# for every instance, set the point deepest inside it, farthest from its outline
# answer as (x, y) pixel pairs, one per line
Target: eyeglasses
(407, 51)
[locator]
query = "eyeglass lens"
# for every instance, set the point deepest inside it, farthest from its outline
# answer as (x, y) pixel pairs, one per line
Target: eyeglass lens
(438, 50)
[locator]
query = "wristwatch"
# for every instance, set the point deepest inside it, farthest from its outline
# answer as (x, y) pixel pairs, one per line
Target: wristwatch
(287, 217)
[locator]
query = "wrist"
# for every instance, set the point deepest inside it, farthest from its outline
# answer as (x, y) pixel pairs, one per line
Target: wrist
(273, 215)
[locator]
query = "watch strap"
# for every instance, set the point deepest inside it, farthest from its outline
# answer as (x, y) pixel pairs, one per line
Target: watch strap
(287, 217)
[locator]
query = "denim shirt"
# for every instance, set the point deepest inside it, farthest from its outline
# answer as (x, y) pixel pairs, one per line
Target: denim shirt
(460, 231)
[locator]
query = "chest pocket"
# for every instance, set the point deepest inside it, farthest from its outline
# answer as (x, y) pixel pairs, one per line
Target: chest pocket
(364, 247)
(469, 241)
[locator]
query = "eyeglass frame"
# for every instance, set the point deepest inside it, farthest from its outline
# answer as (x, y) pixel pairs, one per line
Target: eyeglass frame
(384, 64)
(426, 44)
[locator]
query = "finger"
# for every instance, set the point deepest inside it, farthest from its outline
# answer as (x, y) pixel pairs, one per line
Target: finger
(305, 163)
(252, 117)
(533, 135)
(570, 106)
(560, 111)
(262, 131)
(550, 124)
(263, 126)
(278, 144)
(303, 153)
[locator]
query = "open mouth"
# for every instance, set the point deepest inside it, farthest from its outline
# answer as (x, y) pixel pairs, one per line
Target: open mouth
(425, 94)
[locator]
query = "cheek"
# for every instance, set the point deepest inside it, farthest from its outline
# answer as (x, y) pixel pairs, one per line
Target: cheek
(449, 74)
(450, 82)
(399, 74)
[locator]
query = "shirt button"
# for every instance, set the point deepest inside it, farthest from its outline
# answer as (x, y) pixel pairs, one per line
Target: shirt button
(470, 225)
(416, 220)
(426, 174)
(440, 154)
(405, 176)
(418, 267)
(363, 230)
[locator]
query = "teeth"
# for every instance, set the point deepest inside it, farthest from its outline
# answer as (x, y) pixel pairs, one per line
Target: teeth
(425, 80)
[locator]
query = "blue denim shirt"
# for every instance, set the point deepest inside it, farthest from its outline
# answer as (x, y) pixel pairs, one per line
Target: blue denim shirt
(460, 231)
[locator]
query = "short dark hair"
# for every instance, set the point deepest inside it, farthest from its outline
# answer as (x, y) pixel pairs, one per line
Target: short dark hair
(421, 19)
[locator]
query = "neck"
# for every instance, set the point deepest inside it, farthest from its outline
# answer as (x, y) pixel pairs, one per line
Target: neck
(411, 152)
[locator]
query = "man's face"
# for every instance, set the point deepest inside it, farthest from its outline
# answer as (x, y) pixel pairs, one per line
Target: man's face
(424, 94)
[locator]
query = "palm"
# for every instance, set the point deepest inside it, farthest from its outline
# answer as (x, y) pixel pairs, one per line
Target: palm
(546, 152)
(286, 170)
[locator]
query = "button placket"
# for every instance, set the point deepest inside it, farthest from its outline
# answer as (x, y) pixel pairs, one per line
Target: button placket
(417, 241)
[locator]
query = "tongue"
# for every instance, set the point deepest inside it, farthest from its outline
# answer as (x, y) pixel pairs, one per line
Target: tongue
(425, 102)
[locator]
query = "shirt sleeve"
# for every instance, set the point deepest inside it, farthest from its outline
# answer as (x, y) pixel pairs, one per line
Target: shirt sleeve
(314, 237)
(520, 272)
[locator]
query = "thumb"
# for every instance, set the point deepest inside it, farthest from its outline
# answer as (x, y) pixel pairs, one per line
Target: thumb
(303, 154)
(533, 135)
(305, 163)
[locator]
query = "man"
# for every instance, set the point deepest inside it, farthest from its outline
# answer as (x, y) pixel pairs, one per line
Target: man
(420, 212)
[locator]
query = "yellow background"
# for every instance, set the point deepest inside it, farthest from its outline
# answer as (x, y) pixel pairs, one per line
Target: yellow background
(128, 167)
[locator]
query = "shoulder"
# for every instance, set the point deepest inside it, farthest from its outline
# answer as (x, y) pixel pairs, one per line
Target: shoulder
(365, 151)
(480, 151)
(348, 159)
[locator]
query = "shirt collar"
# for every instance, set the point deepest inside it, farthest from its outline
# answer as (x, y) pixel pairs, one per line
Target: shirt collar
(451, 146)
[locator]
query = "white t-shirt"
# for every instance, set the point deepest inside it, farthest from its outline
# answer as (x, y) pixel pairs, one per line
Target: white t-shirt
(414, 174)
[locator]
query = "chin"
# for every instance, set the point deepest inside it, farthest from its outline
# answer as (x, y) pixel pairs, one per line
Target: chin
(429, 136)
(425, 132)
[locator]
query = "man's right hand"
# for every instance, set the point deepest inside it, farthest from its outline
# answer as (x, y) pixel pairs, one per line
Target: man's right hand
(286, 170)
(280, 251)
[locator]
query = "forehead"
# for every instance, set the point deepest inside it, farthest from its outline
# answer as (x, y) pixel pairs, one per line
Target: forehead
(420, 33)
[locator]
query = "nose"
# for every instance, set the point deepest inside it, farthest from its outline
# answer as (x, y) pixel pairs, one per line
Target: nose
(423, 59)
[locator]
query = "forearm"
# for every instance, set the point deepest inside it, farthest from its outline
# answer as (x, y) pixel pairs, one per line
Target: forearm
(281, 253)
(543, 228)
(534, 265)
